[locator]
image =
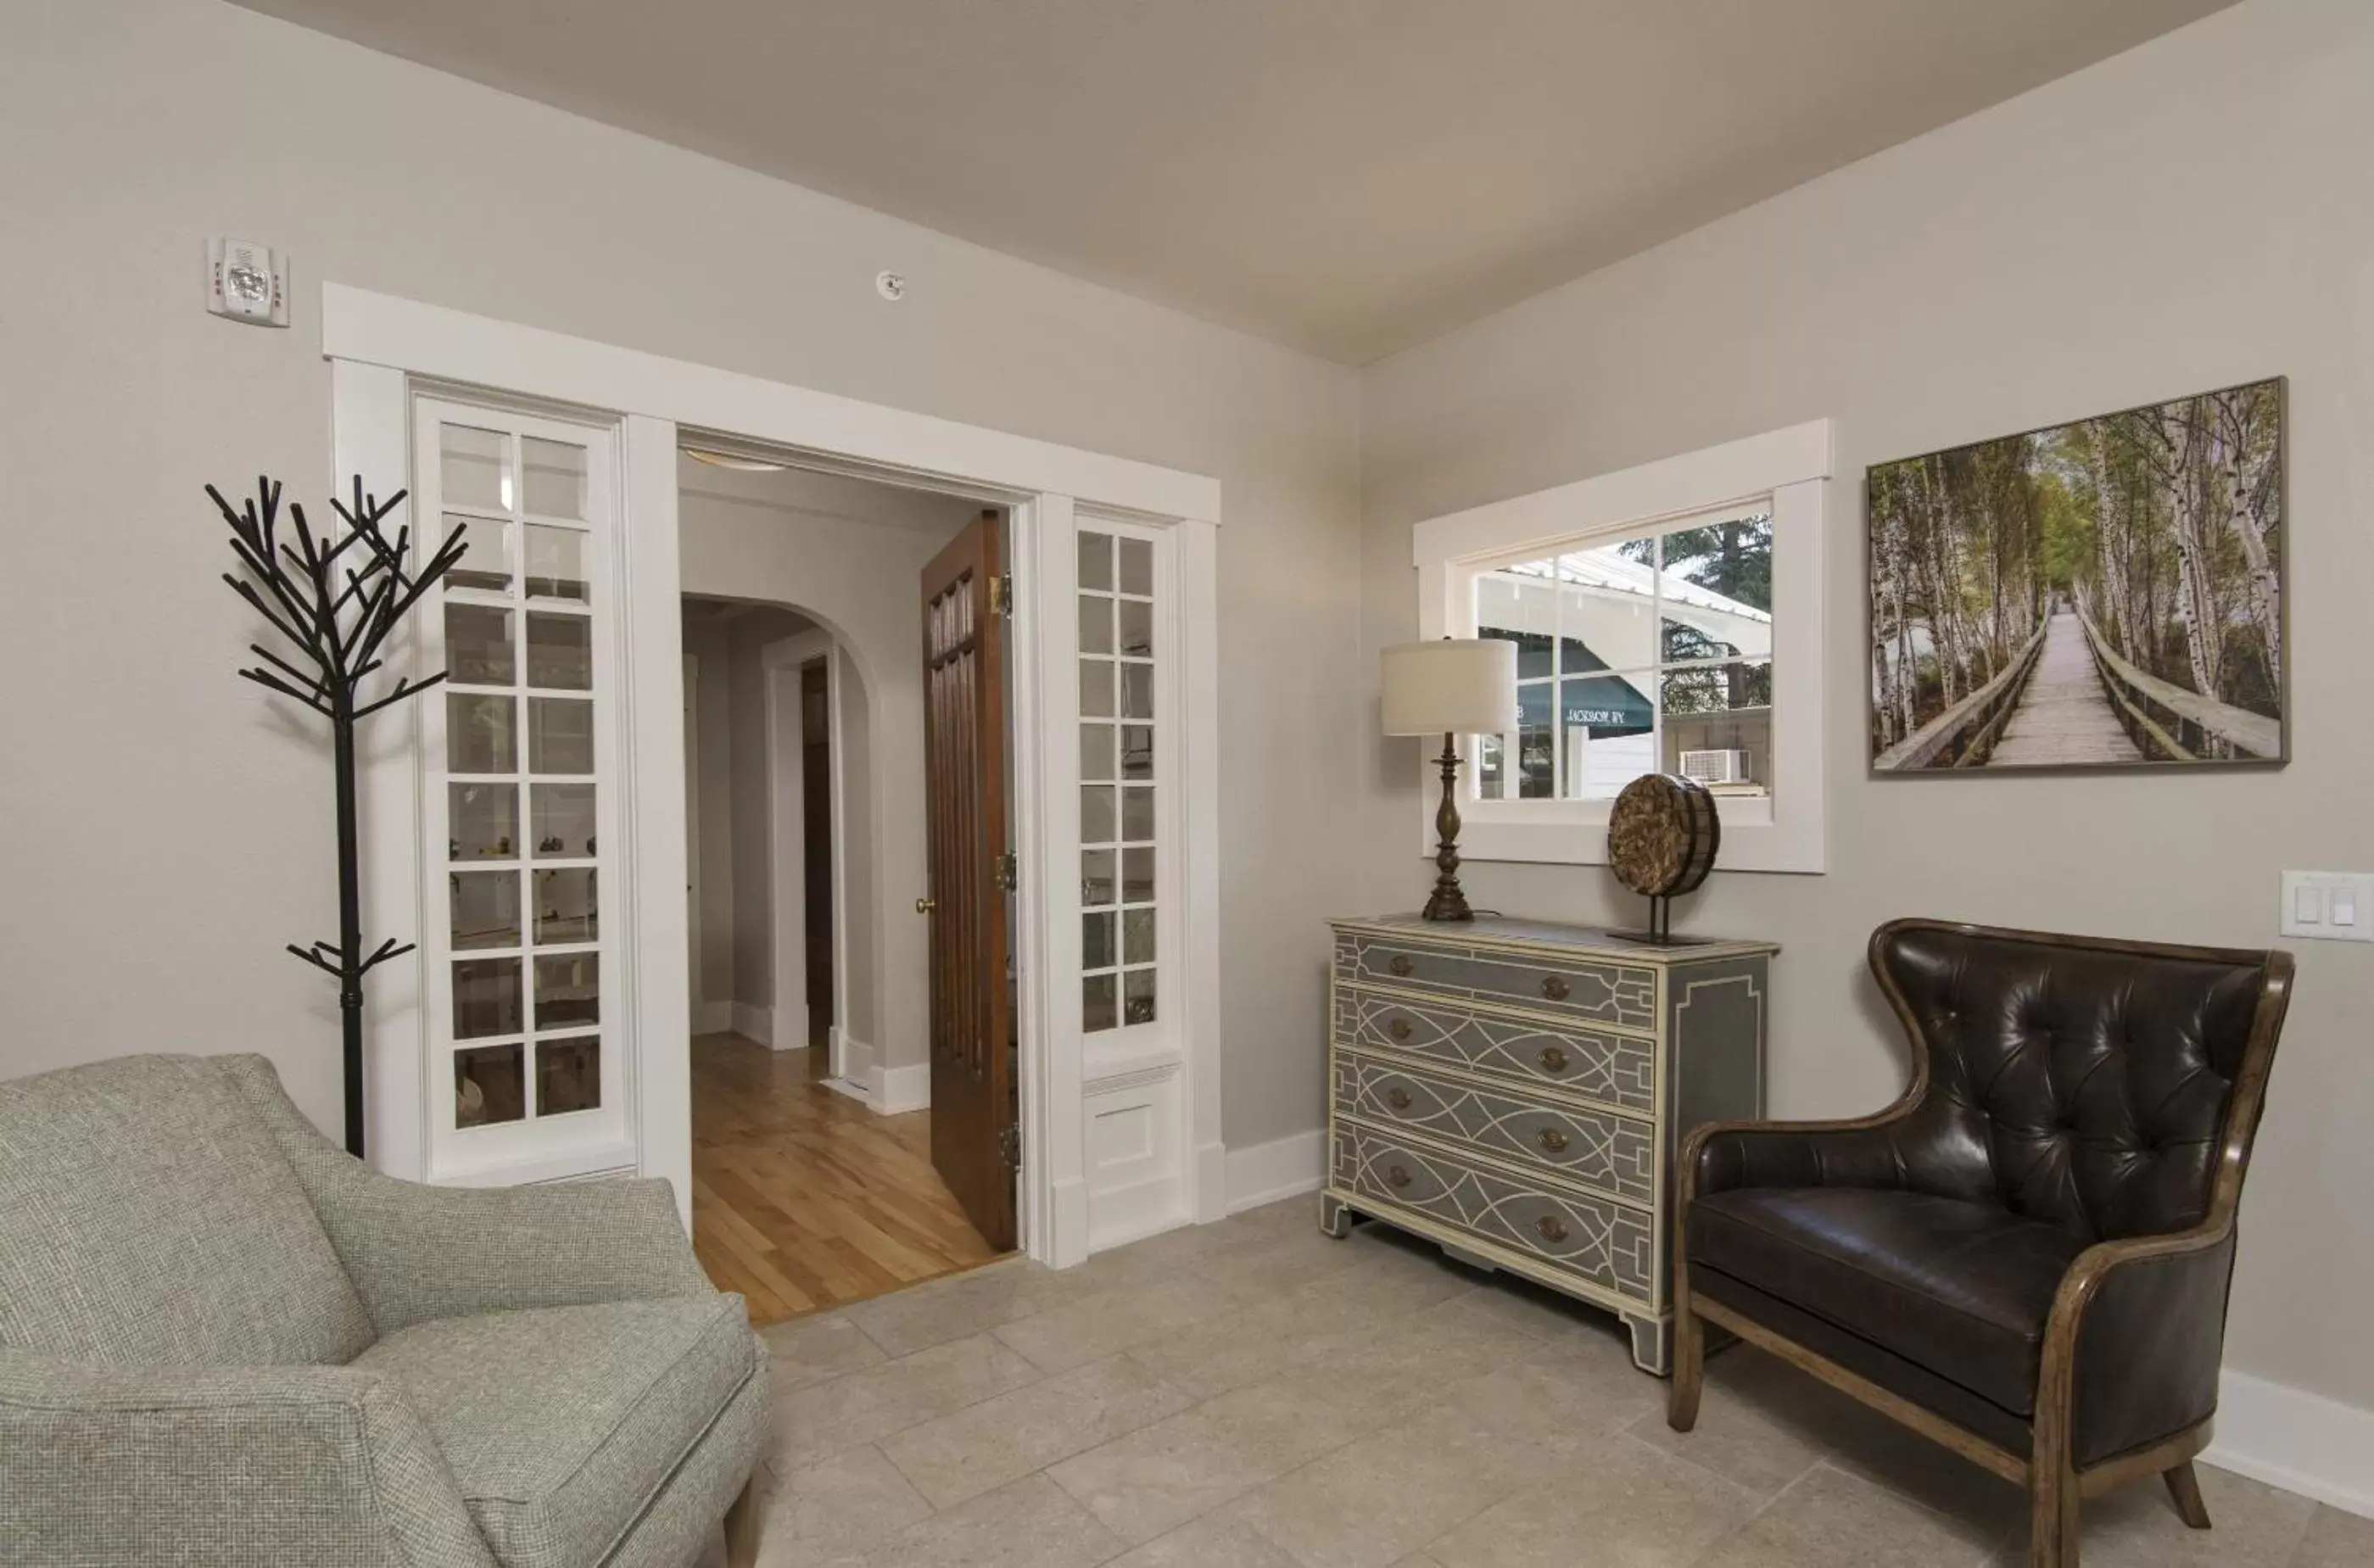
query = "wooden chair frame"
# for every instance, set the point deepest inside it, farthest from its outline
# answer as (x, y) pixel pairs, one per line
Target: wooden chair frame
(2049, 1471)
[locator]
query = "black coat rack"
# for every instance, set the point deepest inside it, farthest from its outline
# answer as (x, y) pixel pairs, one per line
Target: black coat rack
(336, 600)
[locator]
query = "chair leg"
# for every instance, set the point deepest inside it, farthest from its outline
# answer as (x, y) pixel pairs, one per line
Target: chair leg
(1690, 1366)
(2184, 1487)
(2052, 1519)
(741, 1525)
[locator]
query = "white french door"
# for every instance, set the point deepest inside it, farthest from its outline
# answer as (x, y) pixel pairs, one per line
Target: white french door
(529, 1068)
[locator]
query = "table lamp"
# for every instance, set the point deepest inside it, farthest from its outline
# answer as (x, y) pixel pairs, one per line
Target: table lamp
(1457, 686)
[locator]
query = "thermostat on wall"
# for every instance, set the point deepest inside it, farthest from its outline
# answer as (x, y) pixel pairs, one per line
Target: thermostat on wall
(247, 283)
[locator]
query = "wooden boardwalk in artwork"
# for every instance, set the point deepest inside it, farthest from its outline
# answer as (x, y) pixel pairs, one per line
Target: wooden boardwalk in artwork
(2063, 717)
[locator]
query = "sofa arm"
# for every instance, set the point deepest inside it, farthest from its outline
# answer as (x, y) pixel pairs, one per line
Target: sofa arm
(263, 1467)
(2136, 1339)
(418, 1252)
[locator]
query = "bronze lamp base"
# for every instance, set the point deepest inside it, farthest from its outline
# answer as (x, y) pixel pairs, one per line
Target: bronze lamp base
(1448, 902)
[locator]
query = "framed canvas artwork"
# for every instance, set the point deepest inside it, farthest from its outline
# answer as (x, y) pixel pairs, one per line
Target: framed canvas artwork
(2107, 593)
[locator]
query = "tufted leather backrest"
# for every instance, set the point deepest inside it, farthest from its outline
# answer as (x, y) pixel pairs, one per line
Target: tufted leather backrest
(2083, 1084)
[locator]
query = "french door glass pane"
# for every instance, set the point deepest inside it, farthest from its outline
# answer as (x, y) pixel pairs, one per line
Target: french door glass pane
(560, 652)
(483, 820)
(1096, 878)
(1137, 691)
(568, 1075)
(566, 907)
(1095, 751)
(1097, 813)
(556, 564)
(474, 468)
(481, 733)
(555, 476)
(477, 645)
(1095, 562)
(486, 909)
(564, 820)
(1137, 627)
(486, 563)
(1137, 813)
(560, 734)
(1095, 688)
(1095, 624)
(1137, 996)
(1137, 751)
(486, 997)
(1100, 1007)
(1136, 565)
(567, 987)
(1137, 876)
(1097, 940)
(489, 1086)
(1138, 936)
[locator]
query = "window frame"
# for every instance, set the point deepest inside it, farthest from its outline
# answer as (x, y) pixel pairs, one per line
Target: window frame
(1785, 472)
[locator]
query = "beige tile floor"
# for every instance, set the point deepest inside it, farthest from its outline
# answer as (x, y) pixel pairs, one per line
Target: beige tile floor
(1252, 1394)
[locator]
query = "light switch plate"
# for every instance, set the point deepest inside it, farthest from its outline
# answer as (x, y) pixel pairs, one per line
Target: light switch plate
(2329, 905)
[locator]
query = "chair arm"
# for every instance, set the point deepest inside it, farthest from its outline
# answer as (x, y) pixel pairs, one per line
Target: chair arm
(264, 1467)
(1718, 1156)
(418, 1252)
(2134, 1340)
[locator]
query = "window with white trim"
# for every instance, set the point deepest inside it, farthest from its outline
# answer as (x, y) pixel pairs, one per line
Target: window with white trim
(1648, 653)
(1667, 618)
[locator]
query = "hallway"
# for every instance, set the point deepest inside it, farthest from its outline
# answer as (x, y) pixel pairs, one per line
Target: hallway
(802, 1198)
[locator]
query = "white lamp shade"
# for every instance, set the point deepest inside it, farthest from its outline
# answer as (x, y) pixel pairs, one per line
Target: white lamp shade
(1456, 687)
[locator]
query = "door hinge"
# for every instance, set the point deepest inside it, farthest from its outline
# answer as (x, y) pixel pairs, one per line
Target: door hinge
(1009, 1145)
(1001, 593)
(1007, 872)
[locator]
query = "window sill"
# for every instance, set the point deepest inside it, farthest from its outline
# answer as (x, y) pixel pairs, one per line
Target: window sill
(1748, 844)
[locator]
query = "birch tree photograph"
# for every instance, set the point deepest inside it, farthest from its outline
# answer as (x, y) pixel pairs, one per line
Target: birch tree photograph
(2104, 593)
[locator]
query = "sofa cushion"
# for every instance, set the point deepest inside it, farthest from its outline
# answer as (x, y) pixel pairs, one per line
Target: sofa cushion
(1961, 1289)
(561, 1424)
(147, 1217)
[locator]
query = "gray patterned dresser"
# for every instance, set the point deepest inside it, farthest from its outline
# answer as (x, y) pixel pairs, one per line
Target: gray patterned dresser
(1513, 1091)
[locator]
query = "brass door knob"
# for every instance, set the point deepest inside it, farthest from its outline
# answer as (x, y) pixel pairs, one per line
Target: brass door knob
(1550, 1228)
(926, 906)
(1551, 1140)
(1555, 987)
(1398, 1099)
(1401, 963)
(1396, 1177)
(1553, 1059)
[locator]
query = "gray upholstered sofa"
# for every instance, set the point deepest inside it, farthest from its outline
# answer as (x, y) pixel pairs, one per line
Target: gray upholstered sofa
(222, 1340)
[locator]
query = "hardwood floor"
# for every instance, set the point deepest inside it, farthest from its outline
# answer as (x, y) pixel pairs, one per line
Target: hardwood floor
(802, 1199)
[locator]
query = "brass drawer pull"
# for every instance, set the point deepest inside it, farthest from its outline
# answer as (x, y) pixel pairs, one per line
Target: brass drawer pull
(1398, 1099)
(1553, 1059)
(1551, 1140)
(1555, 987)
(1399, 1028)
(1402, 965)
(1396, 1177)
(1551, 1227)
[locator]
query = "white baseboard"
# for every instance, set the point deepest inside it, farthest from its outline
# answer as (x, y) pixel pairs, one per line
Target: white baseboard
(1264, 1173)
(1133, 1212)
(2291, 1438)
(712, 1017)
(1211, 1168)
(753, 1023)
(896, 1090)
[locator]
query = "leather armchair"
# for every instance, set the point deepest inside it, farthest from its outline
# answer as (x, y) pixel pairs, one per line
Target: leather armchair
(2025, 1257)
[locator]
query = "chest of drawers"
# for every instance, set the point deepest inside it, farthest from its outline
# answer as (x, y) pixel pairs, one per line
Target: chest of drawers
(1513, 1090)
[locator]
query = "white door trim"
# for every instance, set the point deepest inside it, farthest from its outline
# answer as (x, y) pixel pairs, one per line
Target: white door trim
(779, 663)
(376, 340)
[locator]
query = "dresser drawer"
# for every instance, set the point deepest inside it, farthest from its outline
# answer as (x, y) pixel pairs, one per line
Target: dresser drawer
(1558, 983)
(1615, 1069)
(1609, 1244)
(1613, 1153)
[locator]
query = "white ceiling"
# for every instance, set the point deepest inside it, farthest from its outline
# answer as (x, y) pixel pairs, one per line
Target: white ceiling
(1347, 176)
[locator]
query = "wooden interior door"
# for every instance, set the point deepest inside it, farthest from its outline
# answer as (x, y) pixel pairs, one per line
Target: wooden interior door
(816, 843)
(974, 1108)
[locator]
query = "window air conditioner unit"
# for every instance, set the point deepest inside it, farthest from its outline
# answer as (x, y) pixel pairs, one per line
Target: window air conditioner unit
(1716, 767)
